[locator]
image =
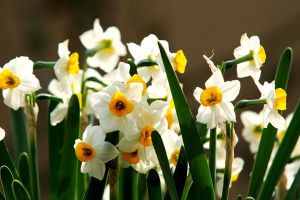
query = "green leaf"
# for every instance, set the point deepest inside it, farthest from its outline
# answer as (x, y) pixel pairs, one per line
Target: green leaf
(294, 189)
(2, 196)
(164, 164)
(244, 103)
(193, 145)
(212, 154)
(142, 186)
(133, 67)
(202, 131)
(19, 191)
(44, 96)
(96, 80)
(20, 136)
(128, 184)
(67, 174)
(284, 69)
(146, 63)
(153, 185)
(6, 180)
(43, 64)
(55, 144)
(187, 187)
(5, 159)
(24, 170)
(282, 156)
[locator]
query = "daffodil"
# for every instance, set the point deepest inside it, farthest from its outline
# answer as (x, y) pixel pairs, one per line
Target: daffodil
(93, 151)
(67, 66)
(253, 127)
(107, 45)
(114, 106)
(2, 133)
(250, 46)
(216, 100)
(17, 80)
(275, 100)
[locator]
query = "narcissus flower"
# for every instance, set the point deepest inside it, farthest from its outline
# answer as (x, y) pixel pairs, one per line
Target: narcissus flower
(216, 100)
(115, 105)
(276, 100)
(250, 68)
(107, 44)
(68, 64)
(94, 152)
(16, 80)
(2, 133)
(253, 127)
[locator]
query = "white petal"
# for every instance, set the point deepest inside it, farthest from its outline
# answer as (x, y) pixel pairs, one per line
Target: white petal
(136, 52)
(215, 79)
(63, 50)
(127, 145)
(245, 40)
(250, 118)
(255, 43)
(106, 61)
(96, 168)
(197, 93)
(20, 66)
(122, 72)
(97, 27)
(106, 151)
(230, 90)
(90, 39)
(225, 112)
(112, 33)
(13, 98)
(58, 114)
(134, 91)
(29, 84)
(2, 134)
(277, 120)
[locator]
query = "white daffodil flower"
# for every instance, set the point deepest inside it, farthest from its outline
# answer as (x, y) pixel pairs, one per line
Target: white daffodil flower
(276, 100)
(16, 80)
(67, 66)
(94, 152)
(107, 44)
(250, 68)
(114, 106)
(172, 142)
(171, 116)
(253, 127)
(2, 133)
(216, 100)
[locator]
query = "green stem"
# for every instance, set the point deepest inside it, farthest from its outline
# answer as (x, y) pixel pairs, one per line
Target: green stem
(31, 120)
(229, 160)
(244, 103)
(43, 64)
(128, 184)
(294, 158)
(228, 64)
(212, 155)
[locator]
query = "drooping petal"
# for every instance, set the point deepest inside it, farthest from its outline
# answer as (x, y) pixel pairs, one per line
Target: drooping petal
(58, 114)
(63, 50)
(215, 79)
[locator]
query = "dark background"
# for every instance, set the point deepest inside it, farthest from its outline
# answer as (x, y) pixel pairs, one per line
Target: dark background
(34, 28)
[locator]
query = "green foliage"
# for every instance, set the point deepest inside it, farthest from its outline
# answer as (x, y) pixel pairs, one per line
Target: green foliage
(24, 171)
(6, 180)
(19, 191)
(153, 185)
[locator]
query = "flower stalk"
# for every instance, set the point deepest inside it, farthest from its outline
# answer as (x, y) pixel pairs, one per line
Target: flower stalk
(212, 155)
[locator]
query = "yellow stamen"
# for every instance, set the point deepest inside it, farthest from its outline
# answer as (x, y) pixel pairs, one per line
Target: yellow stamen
(73, 63)
(169, 114)
(137, 79)
(280, 101)
(84, 152)
(119, 105)
(262, 54)
(211, 96)
(180, 61)
(145, 138)
(79, 95)
(8, 80)
(234, 177)
(131, 157)
(175, 156)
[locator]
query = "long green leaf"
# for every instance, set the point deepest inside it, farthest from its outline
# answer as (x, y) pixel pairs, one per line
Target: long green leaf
(194, 148)
(6, 180)
(44, 96)
(20, 136)
(128, 184)
(294, 189)
(282, 156)
(19, 191)
(67, 174)
(153, 185)
(24, 170)
(5, 159)
(2, 196)
(187, 187)
(284, 69)
(43, 64)
(164, 164)
(55, 143)
(142, 186)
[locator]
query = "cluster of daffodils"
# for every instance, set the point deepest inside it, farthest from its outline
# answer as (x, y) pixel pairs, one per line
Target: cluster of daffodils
(131, 99)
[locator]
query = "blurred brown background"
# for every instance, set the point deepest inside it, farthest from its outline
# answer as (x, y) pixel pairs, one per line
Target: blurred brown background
(35, 27)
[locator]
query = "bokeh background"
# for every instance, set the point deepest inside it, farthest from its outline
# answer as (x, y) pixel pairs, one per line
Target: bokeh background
(35, 27)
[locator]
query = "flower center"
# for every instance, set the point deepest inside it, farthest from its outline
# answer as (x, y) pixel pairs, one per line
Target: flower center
(145, 138)
(8, 79)
(280, 100)
(84, 152)
(211, 96)
(73, 63)
(137, 79)
(262, 54)
(131, 157)
(180, 61)
(119, 105)
(105, 46)
(175, 156)
(258, 129)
